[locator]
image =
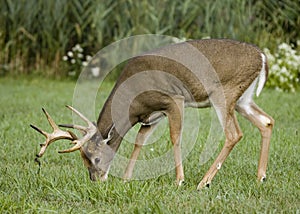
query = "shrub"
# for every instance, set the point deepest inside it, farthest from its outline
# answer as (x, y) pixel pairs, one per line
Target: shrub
(75, 60)
(284, 68)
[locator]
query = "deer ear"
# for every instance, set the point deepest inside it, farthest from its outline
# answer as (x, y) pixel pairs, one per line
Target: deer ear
(110, 134)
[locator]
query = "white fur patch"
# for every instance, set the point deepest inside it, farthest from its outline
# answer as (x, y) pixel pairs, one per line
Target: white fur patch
(246, 98)
(262, 76)
(264, 120)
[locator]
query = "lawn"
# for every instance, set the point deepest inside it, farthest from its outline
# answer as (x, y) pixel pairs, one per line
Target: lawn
(63, 186)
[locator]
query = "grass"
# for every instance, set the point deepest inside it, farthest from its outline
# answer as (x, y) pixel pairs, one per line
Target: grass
(63, 186)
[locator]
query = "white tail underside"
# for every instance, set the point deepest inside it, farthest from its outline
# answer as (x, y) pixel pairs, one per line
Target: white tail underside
(262, 76)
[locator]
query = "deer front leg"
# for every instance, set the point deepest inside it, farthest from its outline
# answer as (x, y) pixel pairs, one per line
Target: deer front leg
(141, 138)
(233, 135)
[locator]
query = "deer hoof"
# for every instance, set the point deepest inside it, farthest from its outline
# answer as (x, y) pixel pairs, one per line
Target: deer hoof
(263, 179)
(126, 180)
(180, 182)
(203, 185)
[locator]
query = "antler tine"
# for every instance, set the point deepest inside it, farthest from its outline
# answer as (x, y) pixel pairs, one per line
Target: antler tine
(39, 130)
(45, 144)
(80, 115)
(90, 131)
(77, 146)
(50, 120)
(72, 126)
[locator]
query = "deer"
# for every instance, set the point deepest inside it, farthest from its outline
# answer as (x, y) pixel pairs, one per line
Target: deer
(219, 73)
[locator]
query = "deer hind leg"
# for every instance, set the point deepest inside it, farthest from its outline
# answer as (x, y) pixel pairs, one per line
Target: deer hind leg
(265, 125)
(175, 117)
(233, 135)
(142, 136)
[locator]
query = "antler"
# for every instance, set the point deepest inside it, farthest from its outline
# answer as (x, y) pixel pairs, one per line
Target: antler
(89, 131)
(59, 134)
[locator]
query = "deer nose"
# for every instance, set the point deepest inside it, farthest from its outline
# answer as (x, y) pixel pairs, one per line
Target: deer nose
(96, 175)
(93, 174)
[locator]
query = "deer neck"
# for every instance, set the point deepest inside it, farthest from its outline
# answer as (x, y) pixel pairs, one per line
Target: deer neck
(106, 121)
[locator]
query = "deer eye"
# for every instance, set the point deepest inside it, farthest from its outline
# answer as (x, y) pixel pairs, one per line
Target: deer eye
(97, 160)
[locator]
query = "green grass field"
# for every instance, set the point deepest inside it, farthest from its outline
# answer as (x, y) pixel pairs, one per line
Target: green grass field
(63, 184)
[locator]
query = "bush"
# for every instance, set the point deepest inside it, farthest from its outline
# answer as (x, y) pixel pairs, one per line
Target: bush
(75, 59)
(284, 68)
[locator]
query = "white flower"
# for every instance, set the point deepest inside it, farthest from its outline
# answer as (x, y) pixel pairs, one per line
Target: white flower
(281, 79)
(288, 54)
(271, 58)
(65, 58)
(70, 54)
(206, 37)
(293, 90)
(85, 63)
(95, 71)
(73, 61)
(284, 70)
(275, 67)
(284, 46)
(74, 48)
(80, 55)
(177, 40)
(88, 58)
(78, 48)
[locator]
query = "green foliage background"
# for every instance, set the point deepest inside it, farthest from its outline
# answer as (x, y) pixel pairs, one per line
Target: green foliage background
(35, 34)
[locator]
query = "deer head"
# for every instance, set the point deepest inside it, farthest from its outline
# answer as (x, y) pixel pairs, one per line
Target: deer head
(94, 149)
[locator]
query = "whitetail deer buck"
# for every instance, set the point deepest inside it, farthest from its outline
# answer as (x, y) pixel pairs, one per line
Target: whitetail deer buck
(224, 76)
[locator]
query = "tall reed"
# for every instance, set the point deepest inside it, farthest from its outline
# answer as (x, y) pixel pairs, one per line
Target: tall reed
(34, 35)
